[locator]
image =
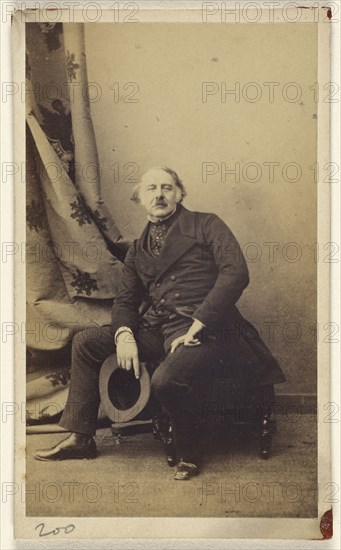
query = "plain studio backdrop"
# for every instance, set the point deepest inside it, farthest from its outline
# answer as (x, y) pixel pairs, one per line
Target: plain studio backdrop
(161, 97)
(231, 108)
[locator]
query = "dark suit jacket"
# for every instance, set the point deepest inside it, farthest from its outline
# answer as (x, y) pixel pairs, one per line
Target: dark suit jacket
(200, 273)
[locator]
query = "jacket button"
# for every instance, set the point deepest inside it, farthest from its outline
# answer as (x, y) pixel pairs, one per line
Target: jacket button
(158, 285)
(177, 295)
(172, 277)
(162, 301)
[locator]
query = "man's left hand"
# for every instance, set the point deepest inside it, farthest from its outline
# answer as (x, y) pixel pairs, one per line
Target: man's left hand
(189, 339)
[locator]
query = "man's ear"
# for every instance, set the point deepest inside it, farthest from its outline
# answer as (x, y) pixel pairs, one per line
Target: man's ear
(136, 194)
(178, 195)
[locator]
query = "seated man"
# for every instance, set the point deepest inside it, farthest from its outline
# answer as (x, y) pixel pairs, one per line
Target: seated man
(189, 269)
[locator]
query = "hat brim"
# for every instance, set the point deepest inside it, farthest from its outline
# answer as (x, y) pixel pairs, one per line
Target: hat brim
(118, 402)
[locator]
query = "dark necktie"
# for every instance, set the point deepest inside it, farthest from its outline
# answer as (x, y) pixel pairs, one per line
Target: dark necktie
(158, 232)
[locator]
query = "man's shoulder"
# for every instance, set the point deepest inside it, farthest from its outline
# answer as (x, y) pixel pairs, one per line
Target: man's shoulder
(203, 226)
(207, 216)
(202, 216)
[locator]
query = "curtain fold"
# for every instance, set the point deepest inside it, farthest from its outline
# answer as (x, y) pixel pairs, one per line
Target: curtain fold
(87, 169)
(71, 273)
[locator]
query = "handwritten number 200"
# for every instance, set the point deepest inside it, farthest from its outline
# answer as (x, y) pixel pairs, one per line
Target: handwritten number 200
(68, 529)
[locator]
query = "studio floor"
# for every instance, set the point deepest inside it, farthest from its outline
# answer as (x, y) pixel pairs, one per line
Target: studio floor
(131, 477)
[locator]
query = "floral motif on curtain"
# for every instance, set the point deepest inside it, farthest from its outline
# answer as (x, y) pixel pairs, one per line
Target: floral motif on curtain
(72, 273)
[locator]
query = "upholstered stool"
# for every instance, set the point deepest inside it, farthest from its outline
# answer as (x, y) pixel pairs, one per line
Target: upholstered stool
(123, 399)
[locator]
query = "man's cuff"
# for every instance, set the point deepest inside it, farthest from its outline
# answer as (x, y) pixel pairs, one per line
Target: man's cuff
(120, 330)
(200, 321)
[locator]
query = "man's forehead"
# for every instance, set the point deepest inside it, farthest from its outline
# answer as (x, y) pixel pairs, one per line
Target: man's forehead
(156, 175)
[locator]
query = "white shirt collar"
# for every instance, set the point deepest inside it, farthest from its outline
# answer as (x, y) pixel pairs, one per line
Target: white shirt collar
(163, 219)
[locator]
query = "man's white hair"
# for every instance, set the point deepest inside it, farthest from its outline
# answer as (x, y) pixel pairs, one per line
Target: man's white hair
(136, 191)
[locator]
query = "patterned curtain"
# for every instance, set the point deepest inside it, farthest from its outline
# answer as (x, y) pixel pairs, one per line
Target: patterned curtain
(73, 245)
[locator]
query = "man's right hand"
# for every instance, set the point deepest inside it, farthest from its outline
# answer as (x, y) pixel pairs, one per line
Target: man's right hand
(127, 353)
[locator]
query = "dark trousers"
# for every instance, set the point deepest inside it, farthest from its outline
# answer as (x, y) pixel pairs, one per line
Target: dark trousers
(179, 382)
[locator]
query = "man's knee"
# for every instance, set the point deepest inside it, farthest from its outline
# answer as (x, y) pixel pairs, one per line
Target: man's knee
(85, 337)
(93, 341)
(165, 380)
(160, 381)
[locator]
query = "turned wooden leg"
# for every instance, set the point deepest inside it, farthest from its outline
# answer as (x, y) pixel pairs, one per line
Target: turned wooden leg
(117, 436)
(157, 428)
(265, 436)
(162, 430)
(267, 425)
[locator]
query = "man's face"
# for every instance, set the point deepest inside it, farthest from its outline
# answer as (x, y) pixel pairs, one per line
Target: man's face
(159, 194)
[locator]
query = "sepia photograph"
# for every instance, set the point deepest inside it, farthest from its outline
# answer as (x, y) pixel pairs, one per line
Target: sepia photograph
(173, 358)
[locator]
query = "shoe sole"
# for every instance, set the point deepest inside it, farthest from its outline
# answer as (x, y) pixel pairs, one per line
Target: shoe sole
(42, 459)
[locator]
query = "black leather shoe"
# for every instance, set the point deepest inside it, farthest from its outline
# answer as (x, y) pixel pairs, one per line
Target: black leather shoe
(185, 470)
(76, 446)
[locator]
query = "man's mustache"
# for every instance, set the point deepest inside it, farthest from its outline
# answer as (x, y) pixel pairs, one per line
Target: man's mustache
(161, 202)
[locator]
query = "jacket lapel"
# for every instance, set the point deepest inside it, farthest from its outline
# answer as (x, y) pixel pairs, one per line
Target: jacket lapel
(180, 238)
(144, 262)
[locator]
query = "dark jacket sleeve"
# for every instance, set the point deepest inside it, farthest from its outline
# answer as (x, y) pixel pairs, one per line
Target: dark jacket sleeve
(125, 311)
(233, 276)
